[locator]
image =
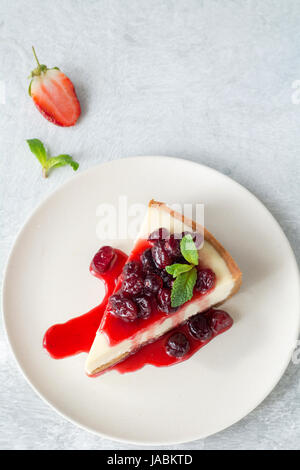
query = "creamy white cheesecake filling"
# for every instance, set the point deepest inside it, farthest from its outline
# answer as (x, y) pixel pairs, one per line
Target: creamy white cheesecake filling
(103, 353)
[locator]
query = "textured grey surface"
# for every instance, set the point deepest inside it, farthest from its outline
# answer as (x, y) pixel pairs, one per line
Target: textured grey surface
(210, 81)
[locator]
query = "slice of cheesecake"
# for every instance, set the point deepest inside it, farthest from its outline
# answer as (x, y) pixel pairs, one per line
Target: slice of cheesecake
(141, 308)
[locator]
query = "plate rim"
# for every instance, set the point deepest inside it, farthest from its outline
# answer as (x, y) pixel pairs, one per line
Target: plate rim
(53, 194)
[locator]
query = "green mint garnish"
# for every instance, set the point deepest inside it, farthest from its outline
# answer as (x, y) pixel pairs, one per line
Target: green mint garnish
(177, 268)
(38, 149)
(189, 250)
(185, 274)
(183, 287)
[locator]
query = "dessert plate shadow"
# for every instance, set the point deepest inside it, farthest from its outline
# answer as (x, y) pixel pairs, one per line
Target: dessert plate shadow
(47, 281)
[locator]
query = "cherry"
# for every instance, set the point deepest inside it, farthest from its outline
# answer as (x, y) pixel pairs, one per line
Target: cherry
(220, 320)
(167, 278)
(160, 256)
(164, 300)
(172, 246)
(206, 280)
(153, 283)
(145, 307)
(102, 260)
(147, 260)
(133, 284)
(181, 260)
(177, 345)
(123, 307)
(199, 327)
(133, 267)
(159, 234)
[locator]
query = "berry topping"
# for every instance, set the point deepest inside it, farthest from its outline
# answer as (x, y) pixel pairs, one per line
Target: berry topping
(123, 307)
(145, 307)
(102, 260)
(133, 284)
(199, 327)
(167, 279)
(220, 320)
(133, 267)
(153, 283)
(205, 281)
(147, 260)
(177, 345)
(172, 246)
(160, 256)
(160, 234)
(164, 300)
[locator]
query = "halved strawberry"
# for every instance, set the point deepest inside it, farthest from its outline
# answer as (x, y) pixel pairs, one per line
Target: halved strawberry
(54, 95)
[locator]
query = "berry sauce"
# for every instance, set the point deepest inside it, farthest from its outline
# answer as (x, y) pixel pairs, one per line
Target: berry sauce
(77, 335)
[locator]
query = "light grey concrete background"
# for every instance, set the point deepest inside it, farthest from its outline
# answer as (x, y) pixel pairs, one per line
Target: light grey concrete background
(211, 81)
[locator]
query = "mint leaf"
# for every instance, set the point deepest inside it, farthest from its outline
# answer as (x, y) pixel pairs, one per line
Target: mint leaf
(38, 149)
(183, 287)
(62, 160)
(176, 269)
(189, 250)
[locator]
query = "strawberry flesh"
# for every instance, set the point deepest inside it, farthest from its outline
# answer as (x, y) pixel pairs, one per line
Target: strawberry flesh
(54, 95)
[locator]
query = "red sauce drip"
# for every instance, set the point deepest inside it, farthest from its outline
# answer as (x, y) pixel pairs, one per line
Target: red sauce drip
(74, 336)
(77, 335)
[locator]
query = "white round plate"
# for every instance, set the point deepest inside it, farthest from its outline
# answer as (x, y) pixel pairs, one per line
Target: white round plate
(48, 281)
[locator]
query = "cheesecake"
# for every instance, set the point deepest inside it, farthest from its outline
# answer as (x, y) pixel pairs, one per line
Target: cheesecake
(162, 285)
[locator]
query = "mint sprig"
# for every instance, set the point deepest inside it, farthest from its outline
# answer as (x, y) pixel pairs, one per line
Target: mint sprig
(48, 163)
(185, 274)
(189, 250)
(177, 268)
(183, 287)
